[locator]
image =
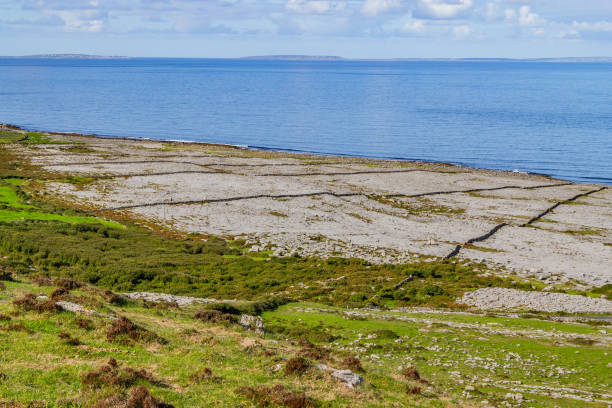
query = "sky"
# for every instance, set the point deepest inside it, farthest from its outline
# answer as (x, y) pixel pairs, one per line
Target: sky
(348, 28)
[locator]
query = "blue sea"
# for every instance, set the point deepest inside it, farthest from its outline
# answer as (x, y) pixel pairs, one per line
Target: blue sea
(550, 118)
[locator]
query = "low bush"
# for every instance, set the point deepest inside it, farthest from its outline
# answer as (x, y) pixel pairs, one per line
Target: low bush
(215, 316)
(312, 351)
(139, 397)
(29, 303)
(68, 339)
(297, 366)
(124, 330)
(112, 375)
(276, 395)
(352, 363)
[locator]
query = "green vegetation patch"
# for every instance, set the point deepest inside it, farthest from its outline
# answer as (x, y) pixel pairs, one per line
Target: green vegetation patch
(8, 197)
(417, 206)
(10, 137)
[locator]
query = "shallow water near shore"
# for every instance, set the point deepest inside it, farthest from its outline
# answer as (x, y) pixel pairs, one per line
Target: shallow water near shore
(549, 118)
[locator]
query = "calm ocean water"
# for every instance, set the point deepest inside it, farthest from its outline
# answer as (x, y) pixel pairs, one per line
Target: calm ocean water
(551, 118)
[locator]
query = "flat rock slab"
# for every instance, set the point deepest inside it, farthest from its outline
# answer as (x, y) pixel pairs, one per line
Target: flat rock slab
(500, 298)
(164, 297)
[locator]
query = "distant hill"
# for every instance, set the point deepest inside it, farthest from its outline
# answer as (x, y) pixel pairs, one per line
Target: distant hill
(84, 56)
(295, 57)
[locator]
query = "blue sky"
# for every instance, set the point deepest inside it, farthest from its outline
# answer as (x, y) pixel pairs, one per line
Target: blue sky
(349, 28)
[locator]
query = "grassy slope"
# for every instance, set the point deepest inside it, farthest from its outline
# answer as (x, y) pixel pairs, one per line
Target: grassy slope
(38, 366)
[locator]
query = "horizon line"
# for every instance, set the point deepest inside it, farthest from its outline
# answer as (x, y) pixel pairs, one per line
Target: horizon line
(313, 57)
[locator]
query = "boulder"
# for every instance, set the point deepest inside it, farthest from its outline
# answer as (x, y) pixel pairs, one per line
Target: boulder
(254, 323)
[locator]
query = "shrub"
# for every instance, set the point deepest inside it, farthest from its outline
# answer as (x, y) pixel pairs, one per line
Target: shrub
(113, 298)
(140, 397)
(17, 327)
(204, 374)
(224, 308)
(124, 330)
(412, 389)
(276, 395)
(68, 284)
(68, 339)
(58, 293)
(5, 274)
(215, 316)
(310, 350)
(30, 303)
(84, 324)
(297, 366)
(410, 373)
(352, 363)
(386, 334)
(4, 318)
(111, 374)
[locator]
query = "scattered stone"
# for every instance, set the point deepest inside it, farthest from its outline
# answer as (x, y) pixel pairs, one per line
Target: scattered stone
(166, 298)
(349, 377)
(503, 299)
(254, 323)
(78, 309)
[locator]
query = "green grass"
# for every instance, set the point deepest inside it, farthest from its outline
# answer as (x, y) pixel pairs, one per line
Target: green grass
(586, 231)
(13, 215)
(436, 346)
(14, 209)
(39, 138)
(39, 366)
(9, 197)
(9, 137)
(418, 206)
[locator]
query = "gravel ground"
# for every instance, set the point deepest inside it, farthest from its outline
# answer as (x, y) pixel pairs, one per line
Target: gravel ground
(504, 299)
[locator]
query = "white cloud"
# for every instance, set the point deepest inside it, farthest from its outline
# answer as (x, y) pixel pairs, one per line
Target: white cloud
(598, 26)
(375, 7)
(461, 31)
(492, 12)
(443, 9)
(510, 14)
(314, 6)
(414, 27)
(82, 20)
(527, 18)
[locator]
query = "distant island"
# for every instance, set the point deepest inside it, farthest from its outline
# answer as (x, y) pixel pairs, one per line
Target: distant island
(295, 57)
(83, 56)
